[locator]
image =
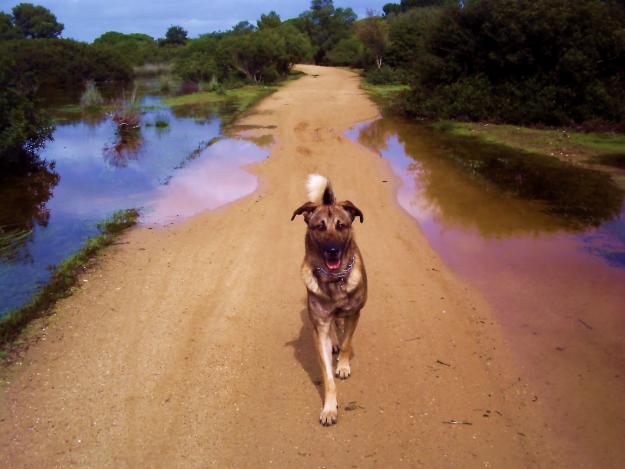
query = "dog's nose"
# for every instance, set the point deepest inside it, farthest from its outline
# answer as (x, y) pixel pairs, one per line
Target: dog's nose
(333, 251)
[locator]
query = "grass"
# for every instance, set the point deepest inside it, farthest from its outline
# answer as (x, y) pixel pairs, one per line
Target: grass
(385, 96)
(91, 97)
(65, 275)
(161, 121)
(553, 142)
(243, 97)
(579, 148)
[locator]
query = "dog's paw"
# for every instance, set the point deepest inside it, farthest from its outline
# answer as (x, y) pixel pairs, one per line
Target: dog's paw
(343, 370)
(328, 417)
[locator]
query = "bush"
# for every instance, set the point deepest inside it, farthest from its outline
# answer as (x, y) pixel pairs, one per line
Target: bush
(64, 63)
(24, 126)
(187, 87)
(384, 75)
(348, 52)
(553, 62)
(127, 115)
(166, 83)
(161, 121)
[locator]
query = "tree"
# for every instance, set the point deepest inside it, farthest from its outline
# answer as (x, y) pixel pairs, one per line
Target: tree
(7, 29)
(326, 26)
(270, 20)
(24, 127)
(135, 47)
(391, 8)
(348, 52)
(175, 36)
(373, 32)
(36, 21)
(553, 62)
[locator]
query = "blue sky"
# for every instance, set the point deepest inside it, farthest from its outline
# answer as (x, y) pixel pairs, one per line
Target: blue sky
(87, 19)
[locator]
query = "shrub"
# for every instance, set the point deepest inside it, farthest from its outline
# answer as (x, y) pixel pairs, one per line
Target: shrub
(166, 83)
(91, 97)
(347, 52)
(382, 76)
(64, 63)
(127, 115)
(161, 121)
(187, 87)
(554, 62)
(24, 126)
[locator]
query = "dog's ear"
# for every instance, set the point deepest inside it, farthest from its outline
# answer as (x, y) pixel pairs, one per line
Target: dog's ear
(306, 209)
(352, 210)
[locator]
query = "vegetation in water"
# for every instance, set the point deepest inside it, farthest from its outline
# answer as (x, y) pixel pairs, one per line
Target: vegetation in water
(91, 97)
(65, 275)
(127, 114)
(161, 121)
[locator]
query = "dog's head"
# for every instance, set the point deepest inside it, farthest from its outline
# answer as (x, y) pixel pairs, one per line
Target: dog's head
(329, 225)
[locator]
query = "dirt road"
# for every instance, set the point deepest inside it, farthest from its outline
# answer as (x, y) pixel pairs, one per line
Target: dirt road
(189, 346)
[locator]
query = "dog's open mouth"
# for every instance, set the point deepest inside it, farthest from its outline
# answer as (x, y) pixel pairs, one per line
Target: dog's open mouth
(332, 258)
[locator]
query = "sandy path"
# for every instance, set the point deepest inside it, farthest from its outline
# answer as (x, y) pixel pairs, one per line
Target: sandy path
(189, 346)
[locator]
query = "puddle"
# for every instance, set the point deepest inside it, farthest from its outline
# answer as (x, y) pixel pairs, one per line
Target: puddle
(171, 172)
(210, 181)
(547, 250)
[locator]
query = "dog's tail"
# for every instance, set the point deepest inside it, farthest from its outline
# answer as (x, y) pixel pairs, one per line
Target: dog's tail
(320, 190)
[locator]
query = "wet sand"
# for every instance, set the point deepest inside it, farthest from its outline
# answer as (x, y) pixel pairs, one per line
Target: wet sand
(189, 345)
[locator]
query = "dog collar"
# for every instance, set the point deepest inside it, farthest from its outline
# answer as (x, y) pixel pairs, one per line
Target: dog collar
(336, 276)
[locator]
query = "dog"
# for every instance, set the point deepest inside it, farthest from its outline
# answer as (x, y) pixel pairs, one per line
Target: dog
(336, 282)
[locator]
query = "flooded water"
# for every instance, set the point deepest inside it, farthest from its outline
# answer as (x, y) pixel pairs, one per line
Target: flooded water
(170, 172)
(545, 244)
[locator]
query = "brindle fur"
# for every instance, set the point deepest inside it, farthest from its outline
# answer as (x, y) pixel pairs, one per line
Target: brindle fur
(332, 301)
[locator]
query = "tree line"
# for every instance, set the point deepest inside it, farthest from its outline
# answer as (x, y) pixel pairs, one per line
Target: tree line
(554, 62)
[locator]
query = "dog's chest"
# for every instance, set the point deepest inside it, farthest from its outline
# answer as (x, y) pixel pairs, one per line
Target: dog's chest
(343, 299)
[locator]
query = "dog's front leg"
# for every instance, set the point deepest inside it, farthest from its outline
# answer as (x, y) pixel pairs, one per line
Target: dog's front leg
(329, 412)
(343, 368)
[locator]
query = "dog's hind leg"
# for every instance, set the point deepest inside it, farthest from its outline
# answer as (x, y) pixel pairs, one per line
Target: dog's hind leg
(343, 368)
(323, 342)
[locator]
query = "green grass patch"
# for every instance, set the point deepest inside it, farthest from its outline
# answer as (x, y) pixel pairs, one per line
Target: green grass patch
(65, 275)
(545, 141)
(246, 95)
(384, 95)
(242, 98)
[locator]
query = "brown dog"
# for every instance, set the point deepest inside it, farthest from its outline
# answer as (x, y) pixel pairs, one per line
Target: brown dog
(335, 279)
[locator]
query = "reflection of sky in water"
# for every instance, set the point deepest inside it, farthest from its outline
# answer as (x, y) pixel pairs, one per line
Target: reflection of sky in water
(607, 241)
(93, 184)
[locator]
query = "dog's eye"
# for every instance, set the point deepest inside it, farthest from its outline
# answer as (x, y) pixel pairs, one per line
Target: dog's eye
(339, 225)
(321, 226)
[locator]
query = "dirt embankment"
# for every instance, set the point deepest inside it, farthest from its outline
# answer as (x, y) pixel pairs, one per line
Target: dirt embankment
(189, 346)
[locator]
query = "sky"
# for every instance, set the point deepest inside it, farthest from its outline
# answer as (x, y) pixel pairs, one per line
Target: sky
(85, 20)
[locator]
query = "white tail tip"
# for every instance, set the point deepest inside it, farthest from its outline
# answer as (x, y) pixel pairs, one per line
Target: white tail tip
(316, 186)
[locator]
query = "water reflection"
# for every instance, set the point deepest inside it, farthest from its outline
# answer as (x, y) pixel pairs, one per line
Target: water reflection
(24, 206)
(211, 180)
(125, 148)
(545, 246)
(173, 172)
(498, 191)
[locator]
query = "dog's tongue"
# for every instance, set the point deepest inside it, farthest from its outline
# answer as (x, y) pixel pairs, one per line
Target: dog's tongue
(333, 264)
